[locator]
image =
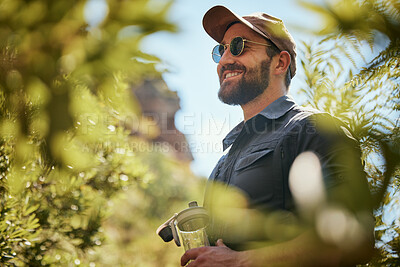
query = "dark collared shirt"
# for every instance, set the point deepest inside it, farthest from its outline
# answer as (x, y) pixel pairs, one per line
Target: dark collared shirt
(262, 150)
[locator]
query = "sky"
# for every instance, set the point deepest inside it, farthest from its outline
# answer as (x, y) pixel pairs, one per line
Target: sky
(192, 74)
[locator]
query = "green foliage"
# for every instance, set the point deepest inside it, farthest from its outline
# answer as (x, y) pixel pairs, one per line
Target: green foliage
(353, 23)
(367, 100)
(67, 158)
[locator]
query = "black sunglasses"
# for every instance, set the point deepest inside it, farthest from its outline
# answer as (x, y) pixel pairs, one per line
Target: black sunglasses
(236, 47)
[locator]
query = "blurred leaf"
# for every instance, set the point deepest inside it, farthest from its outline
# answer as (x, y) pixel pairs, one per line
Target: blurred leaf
(367, 100)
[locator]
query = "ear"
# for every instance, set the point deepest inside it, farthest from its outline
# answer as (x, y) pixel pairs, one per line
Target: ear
(282, 63)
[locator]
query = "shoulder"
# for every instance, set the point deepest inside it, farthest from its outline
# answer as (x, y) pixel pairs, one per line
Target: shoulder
(321, 122)
(300, 115)
(314, 130)
(314, 116)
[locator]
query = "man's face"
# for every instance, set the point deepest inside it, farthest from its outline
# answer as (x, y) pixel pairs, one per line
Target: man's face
(243, 78)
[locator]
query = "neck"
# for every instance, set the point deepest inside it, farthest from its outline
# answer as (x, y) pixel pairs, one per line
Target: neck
(255, 106)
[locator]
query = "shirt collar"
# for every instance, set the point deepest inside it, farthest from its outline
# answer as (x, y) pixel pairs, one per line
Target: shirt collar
(273, 111)
(278, 108)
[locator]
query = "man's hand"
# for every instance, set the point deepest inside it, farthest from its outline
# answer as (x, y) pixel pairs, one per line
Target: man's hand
(220, 255)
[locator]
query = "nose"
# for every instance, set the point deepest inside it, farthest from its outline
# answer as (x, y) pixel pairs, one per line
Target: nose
(227, 58)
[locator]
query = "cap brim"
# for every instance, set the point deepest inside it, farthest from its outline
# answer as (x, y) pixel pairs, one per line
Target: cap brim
(217, 20)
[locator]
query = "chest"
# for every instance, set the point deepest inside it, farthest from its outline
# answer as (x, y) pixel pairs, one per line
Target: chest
(258, 164)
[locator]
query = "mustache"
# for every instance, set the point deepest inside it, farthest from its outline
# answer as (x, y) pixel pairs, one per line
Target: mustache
(232, 66)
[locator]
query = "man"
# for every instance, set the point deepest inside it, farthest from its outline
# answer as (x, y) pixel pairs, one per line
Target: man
(256, 59)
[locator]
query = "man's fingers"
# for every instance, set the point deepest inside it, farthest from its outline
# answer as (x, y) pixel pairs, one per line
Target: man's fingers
(191, 254)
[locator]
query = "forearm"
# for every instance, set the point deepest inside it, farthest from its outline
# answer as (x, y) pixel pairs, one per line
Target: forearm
(306, 250)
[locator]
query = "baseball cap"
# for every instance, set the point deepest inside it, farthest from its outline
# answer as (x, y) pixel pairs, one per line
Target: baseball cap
(218, 18)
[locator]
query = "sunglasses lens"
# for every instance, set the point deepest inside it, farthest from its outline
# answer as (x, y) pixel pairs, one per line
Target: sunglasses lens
(236, 46)
(217, 53)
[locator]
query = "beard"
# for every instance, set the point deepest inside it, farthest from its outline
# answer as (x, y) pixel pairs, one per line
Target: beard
(252, 84)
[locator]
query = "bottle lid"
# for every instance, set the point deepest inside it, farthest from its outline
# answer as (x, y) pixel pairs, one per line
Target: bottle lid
(192, 218)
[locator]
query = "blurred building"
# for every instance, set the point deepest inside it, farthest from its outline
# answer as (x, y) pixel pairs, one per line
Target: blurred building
(160, 104)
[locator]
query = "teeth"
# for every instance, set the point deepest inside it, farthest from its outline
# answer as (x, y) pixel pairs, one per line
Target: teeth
(231, 74)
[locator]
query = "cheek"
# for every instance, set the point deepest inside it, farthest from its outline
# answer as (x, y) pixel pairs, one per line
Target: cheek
(219, 69)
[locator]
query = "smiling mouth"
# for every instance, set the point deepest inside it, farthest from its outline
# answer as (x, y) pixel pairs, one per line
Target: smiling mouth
(231, 74)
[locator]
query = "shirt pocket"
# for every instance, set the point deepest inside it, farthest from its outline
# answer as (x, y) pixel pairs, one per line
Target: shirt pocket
(255, 153)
